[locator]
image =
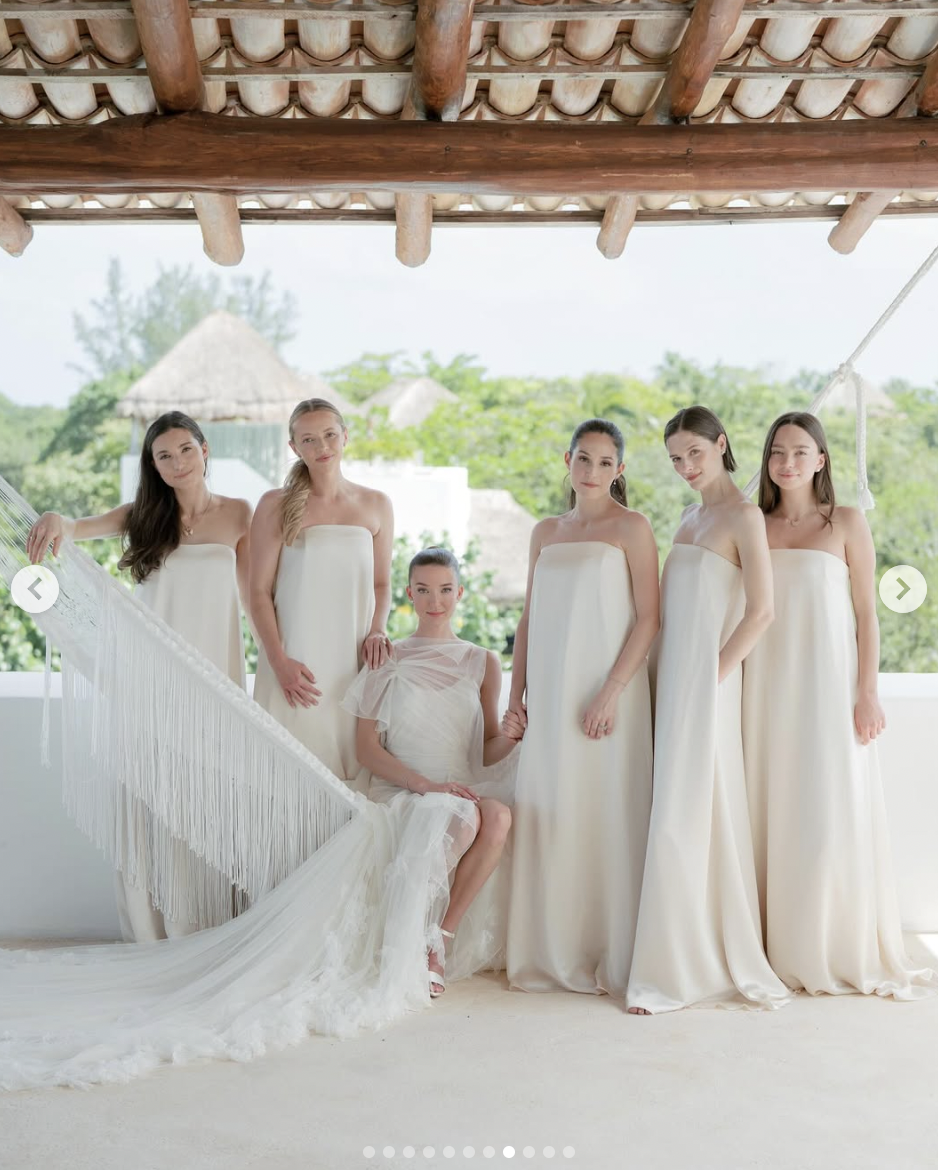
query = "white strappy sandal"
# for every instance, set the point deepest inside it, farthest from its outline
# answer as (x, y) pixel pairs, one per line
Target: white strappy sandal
(435, 978)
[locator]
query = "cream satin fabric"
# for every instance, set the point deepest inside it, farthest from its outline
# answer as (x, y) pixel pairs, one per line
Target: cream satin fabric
(699, 937)
(195, 591)
(818, 817)
(325, 600)
(582, 805)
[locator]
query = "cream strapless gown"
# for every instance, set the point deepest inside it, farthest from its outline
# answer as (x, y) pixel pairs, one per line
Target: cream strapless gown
(819, 821)
(324, 598)
(195, 591)
(581, 805)
(699, 937)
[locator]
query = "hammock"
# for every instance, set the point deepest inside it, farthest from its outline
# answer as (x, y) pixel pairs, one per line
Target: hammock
(147, 721)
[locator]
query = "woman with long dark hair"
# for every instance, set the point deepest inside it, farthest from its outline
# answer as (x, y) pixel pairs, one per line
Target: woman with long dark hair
(186, 550)
(580, 698)
(699, 938)
(320, 588)
(811, 716)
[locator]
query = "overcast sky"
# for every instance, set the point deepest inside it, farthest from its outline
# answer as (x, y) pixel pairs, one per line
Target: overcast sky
(525, 300)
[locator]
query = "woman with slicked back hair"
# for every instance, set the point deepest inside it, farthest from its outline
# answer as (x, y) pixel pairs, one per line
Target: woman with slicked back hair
(186, 549)
(810, 718)
(580, 699)
(699, 937)
(320, 587)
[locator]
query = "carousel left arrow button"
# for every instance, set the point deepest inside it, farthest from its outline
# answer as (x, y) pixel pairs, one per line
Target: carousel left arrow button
(35, 589)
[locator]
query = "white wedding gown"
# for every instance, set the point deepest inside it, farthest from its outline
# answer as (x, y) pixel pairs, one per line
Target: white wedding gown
(816, 799)
(324, 598)
(339, 946)
(195, 591)
(699, 937)
(582, 805)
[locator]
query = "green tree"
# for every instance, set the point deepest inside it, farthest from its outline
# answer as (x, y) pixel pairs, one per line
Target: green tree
(25, 432)
(126, 332)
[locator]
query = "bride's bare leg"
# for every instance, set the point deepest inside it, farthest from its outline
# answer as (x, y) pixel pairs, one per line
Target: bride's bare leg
(479, 861)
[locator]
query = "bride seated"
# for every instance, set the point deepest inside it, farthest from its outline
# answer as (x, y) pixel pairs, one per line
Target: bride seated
(428, 728)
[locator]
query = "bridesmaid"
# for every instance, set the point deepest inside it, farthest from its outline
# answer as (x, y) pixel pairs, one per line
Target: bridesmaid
(810, 716)
(187, 552)
(320, 588)
(580, 697)
(699, 936)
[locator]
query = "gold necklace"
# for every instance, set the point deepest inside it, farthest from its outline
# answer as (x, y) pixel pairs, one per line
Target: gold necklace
(188, 528)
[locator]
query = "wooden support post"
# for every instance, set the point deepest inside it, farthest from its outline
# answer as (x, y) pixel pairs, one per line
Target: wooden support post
(175, 73)
(866, 206)
(210, 152)
(711, 25)
(15, 232)
(438, 84)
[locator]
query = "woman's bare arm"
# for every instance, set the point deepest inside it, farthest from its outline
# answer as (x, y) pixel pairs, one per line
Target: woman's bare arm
(495, 745)
(373, 755)
(869, 717)
(756, 564)
(52, 528)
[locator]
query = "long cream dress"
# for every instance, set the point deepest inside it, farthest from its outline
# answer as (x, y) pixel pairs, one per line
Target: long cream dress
(816, 800)
(581, 805)
(324, 598)
(699, 937)
(195, 591)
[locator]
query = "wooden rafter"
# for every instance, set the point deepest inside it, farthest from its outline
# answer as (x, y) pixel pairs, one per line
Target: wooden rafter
(438, 85)
(209, 152)
(711, 25)
(15, 232)
(867, 206)
(175, 73)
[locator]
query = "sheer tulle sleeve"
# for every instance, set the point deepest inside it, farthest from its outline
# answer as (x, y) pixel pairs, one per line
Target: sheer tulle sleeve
(371, 695)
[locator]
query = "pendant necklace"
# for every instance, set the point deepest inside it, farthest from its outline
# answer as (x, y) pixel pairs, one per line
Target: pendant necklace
(188, 528)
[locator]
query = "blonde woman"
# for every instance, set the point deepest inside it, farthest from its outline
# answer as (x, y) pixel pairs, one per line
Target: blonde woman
(320, 586)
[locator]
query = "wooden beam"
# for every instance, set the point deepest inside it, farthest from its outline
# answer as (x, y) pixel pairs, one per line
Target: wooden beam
(15, 232)
(867, 206)
(413, 215)
(210, 152)
(175, 73)
(711, 25)
(618, 220)
(169, 51)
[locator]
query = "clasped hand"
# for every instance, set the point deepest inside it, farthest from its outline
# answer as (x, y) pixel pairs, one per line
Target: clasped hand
(298, 683)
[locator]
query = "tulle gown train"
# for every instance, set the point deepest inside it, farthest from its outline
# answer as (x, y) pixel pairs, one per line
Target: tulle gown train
(816, 799)
(325, 599)
(699, 936)
(339, 946)
(582, 805)
(195, 591)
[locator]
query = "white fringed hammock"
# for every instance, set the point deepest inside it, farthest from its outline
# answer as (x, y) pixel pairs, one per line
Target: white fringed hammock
(156, 738)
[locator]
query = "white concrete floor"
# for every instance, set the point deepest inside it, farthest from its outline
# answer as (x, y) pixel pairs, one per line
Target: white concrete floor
(824, 1084)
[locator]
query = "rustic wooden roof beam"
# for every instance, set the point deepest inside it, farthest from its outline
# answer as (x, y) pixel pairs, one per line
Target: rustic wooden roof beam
(867, 206)
(711, 25)
(175, 73)
(204, 152)
(15, 232)
(437, 88)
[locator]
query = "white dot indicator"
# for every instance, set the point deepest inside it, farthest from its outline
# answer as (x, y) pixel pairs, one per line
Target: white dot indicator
(568, 1151)
(428, 1151)
(528, 1151)
(489, 1151)
(448, 1151)
(408, 1151)
(468, 1152)
(509, 1151)
(548, 1151)
(368, 1152)
(388, 1151)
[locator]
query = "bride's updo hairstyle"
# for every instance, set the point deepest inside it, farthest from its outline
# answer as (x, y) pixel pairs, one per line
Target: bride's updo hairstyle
(434, 556)
(151, 531)
(602, 426)
(296, 485)
(700, 420)
(770, 493)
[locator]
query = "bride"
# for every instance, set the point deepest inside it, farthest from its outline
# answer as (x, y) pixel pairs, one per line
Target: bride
(341, 945)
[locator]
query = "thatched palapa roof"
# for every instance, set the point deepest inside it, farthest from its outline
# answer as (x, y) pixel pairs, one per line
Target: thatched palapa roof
(222, 369)
(503, 529)
(408, 401)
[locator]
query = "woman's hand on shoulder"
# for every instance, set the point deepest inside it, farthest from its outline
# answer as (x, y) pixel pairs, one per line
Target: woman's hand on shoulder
(376, 649)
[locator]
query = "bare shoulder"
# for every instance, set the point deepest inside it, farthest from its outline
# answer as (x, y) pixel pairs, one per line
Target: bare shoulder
(543, 530)
(747, 517)
(239, 510)
(851, 520)
(268, 507)
(634, 525)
